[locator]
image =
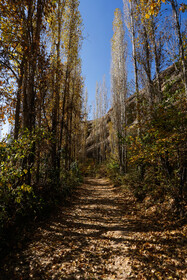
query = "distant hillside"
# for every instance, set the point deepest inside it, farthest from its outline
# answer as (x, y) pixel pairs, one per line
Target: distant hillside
(171, 76)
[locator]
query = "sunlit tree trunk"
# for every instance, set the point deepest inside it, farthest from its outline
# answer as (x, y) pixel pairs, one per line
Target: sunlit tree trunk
(119, 86)
(129, 11)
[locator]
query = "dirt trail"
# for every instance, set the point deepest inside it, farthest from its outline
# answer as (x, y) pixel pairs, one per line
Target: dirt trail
(100, 236)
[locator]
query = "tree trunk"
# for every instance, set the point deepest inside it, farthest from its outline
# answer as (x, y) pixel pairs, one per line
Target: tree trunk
(18, 101)
(181, 48)
(55, 160)
(148, 66)
(157, 68)
(135, 65)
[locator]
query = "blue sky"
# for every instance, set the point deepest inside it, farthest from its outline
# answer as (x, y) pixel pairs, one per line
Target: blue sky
(96, 51)
(97, 18)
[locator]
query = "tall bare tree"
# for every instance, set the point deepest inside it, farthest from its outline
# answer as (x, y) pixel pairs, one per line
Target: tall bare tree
(119, 85)
(129, 8)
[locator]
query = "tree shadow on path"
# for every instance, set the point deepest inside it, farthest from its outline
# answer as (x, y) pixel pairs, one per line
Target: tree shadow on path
(100, 236)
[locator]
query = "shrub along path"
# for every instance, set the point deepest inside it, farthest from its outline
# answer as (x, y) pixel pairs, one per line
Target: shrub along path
(103, 234)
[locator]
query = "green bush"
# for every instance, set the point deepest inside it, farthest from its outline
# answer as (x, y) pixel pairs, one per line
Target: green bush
(159, 153)
(22, 201)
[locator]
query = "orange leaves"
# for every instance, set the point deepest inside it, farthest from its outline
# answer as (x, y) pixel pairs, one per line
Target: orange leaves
(183, 8)
(2, 116)
(7, 112)
(11, 120)
(151, 8)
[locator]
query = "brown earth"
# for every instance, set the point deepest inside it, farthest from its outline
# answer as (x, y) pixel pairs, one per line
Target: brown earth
(104, 234)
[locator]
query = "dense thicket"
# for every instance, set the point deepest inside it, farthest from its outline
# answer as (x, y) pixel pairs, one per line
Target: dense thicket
(41, 97)
(157, 140)
(150, 147)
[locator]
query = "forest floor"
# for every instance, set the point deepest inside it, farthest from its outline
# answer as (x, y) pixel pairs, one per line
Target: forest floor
(102, 234)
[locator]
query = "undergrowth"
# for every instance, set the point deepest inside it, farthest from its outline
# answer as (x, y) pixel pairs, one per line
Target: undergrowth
(20, 202)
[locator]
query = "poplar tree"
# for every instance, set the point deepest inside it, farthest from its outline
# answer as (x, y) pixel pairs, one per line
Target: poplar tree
(119, 85)
(72, 38)
(129, 8)
(39, 58)
(85, 122)
(103, 124)
(96, 122)
(56, 25)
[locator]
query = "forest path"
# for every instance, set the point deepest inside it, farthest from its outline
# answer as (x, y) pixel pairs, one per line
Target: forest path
(100, 236)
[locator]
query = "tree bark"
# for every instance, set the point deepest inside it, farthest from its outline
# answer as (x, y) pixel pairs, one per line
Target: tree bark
(134, 54)
(181, 48)
(157, 68)
(18, 101)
